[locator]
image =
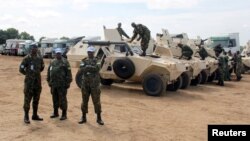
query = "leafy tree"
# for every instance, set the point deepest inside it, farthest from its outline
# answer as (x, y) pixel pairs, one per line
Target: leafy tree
(12, 33)
(3, 36)
(26, 36)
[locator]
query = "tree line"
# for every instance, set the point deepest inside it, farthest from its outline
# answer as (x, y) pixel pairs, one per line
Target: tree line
(12, 33)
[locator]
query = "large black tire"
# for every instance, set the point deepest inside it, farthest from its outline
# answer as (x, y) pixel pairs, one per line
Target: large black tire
(78, 78)
(176, 85)
(204, 77)
(107, 82)
(185, 80)
(196, 81)
(212, 77)
(153, 85)
(124, 68)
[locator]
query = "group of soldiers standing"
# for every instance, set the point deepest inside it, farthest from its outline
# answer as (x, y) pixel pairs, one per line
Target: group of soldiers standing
(223, 72)
(59, 77)
(142, 31)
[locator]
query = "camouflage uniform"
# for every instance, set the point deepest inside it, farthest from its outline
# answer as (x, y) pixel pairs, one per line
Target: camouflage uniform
(59, 77)
(31, 67)
(186, 52)
(90, 84)
(226, 70)
(238, 65)
(122, 32)
(221, 70)
(144, 34)
(203, 53)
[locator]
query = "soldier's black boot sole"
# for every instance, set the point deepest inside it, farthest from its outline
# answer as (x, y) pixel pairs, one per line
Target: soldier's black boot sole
(26, 117)
(37, 118)
(55, 114)
(64, 115)
(83, 119)
(99, 119)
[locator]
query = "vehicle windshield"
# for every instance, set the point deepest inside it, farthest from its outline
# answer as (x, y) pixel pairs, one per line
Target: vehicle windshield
(44, 45)
(59, 45)
(21, 46)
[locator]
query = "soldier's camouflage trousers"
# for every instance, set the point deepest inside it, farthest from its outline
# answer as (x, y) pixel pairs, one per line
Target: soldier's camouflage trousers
(95, 92)
(238, 70)
(29, 93)
(220, 73)
(59, 98)
(226, 74)
(144, 44)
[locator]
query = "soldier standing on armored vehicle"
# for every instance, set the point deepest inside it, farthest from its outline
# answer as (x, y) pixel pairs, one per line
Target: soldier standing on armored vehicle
(59, 77)
(186, 51)
(32, 66)
(202, 51)
(237, 65)
(121, 31)
(144, 35)
(90, 85)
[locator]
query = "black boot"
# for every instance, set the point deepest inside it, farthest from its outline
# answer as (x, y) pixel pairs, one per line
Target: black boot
(55, 114)
(64, 115)
(143, 53)
(35, 115)
(222, 84)
(99, 119)
(26, 117)
(83, 119)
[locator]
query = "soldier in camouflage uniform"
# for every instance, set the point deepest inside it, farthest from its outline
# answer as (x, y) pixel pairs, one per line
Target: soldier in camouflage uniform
(220, 70)
(186, 51)
(144, 36)
(59, 77)
(237, 65)
(90, 85)
(121, 31)
(226, 71)
(202, 52)
(32, 65)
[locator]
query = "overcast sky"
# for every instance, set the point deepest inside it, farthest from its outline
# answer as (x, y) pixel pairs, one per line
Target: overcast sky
(57, 18)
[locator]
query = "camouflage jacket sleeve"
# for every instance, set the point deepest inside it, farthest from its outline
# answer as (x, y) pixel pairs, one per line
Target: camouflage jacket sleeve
(23, 66)
(134, 36)
(221, 61)
(68, 73)
(42, 65)
(124, 33)
(85, 66)
(48, 73)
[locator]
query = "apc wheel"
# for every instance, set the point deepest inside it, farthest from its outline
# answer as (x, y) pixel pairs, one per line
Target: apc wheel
(78, 78)
(124, 68)
(176, 85)
(153, 85)
(106, 82)
(204, 77)
(185, 80)
(197, 80)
